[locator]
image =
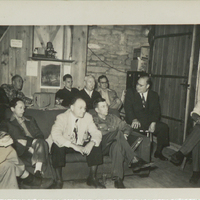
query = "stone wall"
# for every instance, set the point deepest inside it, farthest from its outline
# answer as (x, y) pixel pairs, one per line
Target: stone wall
(113, 45)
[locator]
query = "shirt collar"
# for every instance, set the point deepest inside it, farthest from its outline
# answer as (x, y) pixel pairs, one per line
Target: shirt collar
(89, 92)
(68, 89)
(20, 120)
(73, 117)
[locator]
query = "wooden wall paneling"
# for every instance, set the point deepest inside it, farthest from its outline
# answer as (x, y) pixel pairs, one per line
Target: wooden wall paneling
(176, 110)
(66, 47)
(33, 80)
(183, 65)
(12, 52)
(79, 55)
(5, 59)
(24, 35)
(175, 98)
(170, 57)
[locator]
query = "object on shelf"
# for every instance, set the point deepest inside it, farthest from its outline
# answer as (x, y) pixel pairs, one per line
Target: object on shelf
(49, 52)
(140, 60)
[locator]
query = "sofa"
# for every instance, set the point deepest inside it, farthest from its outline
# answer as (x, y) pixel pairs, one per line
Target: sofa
(76, 167)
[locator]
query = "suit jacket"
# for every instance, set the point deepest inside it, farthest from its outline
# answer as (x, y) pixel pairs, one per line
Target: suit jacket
(134, 109)
(67, 95)
(61, 131)
(17, 132)
(89, 101)
(115, 102)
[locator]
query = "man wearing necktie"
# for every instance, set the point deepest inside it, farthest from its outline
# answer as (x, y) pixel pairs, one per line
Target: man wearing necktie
(74, 131)
(142, 109)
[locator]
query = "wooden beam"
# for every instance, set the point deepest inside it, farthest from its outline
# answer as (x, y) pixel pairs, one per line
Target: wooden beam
(79, 53)
(189, 81)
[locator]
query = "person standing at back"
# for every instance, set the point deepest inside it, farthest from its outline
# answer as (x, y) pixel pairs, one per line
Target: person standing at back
(142, 110)
(64, 96)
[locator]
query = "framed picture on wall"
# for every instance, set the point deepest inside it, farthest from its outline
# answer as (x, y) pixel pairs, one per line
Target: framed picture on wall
(50, 75)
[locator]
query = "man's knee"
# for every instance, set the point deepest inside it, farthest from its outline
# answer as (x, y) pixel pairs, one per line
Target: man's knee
(162, 127)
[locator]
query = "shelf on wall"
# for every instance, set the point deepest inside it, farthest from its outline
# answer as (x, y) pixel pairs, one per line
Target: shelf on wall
(50, 59)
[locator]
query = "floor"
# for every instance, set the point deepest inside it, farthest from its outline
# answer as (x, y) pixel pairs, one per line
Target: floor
(166, 175)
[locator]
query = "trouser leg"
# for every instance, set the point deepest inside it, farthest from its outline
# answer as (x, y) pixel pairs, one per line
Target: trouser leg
(119, 149)
(40, 151)
(8, 178)
(196, 158)
(117, 158)
(162, 132)
(95, 157)
(58, 159)
(191, 141)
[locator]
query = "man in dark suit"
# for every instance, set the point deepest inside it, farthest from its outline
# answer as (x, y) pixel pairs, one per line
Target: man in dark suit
(65, 95)
(88, 93)
(142, 109)
(28, 140)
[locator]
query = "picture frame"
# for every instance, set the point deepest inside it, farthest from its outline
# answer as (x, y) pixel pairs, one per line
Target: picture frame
(50, 74)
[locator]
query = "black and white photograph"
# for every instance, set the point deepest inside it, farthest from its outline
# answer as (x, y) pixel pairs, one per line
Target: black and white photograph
(99, 105)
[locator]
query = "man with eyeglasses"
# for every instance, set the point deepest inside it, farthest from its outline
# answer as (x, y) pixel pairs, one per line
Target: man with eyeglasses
(108, 94)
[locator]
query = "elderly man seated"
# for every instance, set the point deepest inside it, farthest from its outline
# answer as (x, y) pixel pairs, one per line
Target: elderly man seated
(14, 90)
(88, 94)
(114, 141)
(108, 94)
(191, 144)
(75, 131)
(28, 139)
(11, 167)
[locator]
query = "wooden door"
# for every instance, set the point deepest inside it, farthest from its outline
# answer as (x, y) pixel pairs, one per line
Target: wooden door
(169, 66)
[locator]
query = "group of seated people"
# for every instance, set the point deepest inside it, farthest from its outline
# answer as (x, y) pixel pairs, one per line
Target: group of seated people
(91, 126)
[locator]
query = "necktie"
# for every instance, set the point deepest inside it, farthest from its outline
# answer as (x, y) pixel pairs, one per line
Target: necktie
(143, 101)
(76, 130)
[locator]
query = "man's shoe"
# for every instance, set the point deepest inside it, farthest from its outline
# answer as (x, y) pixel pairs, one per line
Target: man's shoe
(94, 182)
(33, 182)
(160, 156)
(141, 164)
(177, 158)
(143, 173)
(57, 185)
(119, 183)
(195, 178)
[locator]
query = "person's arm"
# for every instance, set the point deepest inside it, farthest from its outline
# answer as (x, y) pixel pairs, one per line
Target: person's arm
(122, 126)
(128, 107)
(116, 103)
(26, 100)
(96, 135)
(36, 130)
(7, 90)
(57, 132)
(196, 117)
